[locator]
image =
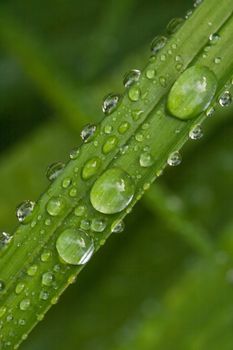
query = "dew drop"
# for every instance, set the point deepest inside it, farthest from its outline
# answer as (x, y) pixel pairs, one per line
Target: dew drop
(24, 304)
(146, 160)
(54, 170)
(74, 246)
(74, 153)
(44, 295)
(174, 159)
(163, 81)
(85, 224)
(158, 43)
(73, 192)
(45, 256)
(134, 93)
(90, 168)
(80, 210)
(210, 111)
(55, 206)
(124, 127)
(217, 60)
(5, 239)
(47, 279)
(98, 225)
(112, 191)
(88, 132)
(131, 77)
(139, 137)
(118, 227)
(150, 73)
(225, 99)
(214, 38)
(32, 270)
(110, 144)
(110, 103)
(19, 287)
(24, 211)
(66, 182)
(108, 129)
(174, 25)
(192, 93)
(136, 114)
(196, 132)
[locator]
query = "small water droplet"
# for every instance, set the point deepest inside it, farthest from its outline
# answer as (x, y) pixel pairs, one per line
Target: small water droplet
(112, 191)
(158, 43)
(32, 270)
(192, 93)
(24, 211)
(88, 132)
(214, 38)
(75, 247)
(124, 127)
(136, 114)
(55, 206)
(134, 93)
(54, 170)
(174, 159)
(98, 225)
(174, 25)
(5, 239)
(21, 322)
(210, 111)
(45, 256)
(131, 77)
(118, 227)
(110, 144)
(217, 60)
(73, 192)
(24, 304)
(108, 129)
(19, 287)
(139, 137)
(146, 160)
(110, 103)
(196, 132)
(44, 295)
(225, 99)
(150, 73)
(47, 279)
(90, 168)
(85, 224)
(66, 182)
(74, 153)
(163, 81)
(80, 210)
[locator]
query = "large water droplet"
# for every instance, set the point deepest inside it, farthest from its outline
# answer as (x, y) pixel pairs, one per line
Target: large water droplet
(88, 132)
(158, 43)
(74, 246)
(196, 132)
(54, 170)
(47, 278)
(192, 93)
(174, 159)
(24, 211)
(225, 99)
(146, 160)
(110, 103)
(112, 191)
(90, 168)
(55, 206)
(131, 77)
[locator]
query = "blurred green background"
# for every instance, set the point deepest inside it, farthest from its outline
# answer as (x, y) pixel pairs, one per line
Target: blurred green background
(166, 283)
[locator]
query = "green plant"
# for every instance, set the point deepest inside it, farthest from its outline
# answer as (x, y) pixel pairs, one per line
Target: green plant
(143, 139)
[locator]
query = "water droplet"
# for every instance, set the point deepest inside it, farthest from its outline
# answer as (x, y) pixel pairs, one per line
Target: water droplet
(32, 270)
(44, 295)
(45, 256)
(146, 160)
(108, 129)
(214, 38)
(98, 225)
(47, 279)
(196, 132)
(21, 322)
(5, 239)
(210, 111)
(2, 311)
(150, 73)
(110, 144)
(158, 43)
(74, 247)
(55, 206)
(2, 285)
(163, 81)
(85, 224)
(73, 192)
(19, 287)
(74, 153)
(124, 127)
(134, 93)
(90, 168)
(136, 114)
(24, 211)
(139, 137)
(174, 25)
(131, 77)
(24, 304)
(112, 191)
(54, 170)
(174, 159)
(110, 103)
(225, 99)
(118, 227)
(80, 210)
(66, 182)
(217, 60)
(192, 93)
(88, 132)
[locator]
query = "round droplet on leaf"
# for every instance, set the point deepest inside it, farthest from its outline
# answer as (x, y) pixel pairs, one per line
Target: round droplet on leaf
(196, 132)
(110, 103)
(225, 99)
(112, 191)
(5, 239)
(192, 93)
(158, 43)
(54, 170)
(90, 168)
(174, 159)
(24, 211)
(55, 206)
(87, 133)
(131, 77)
(74, 246)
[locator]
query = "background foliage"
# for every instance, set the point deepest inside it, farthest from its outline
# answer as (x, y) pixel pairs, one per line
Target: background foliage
(152, 286)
